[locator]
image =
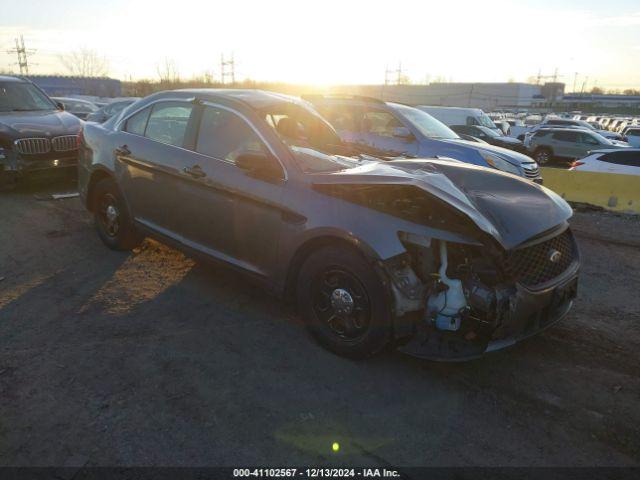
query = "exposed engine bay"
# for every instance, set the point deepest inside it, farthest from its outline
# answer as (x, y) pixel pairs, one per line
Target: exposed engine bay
(457, 299)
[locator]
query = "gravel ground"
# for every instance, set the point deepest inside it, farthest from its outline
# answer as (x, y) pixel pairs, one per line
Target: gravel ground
(151, 358)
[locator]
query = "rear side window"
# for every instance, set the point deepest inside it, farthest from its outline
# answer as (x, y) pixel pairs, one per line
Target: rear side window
(224, 135)
(541, 133)
(631, 159)
(634, 133)
(168, 123)
(137, 123)
(566, 136)
(342, 118)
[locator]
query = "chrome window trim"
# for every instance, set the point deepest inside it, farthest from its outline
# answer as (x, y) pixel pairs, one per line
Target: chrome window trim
(120, 124)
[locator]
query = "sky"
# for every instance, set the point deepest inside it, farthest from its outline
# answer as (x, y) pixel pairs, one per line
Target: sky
(328, 42)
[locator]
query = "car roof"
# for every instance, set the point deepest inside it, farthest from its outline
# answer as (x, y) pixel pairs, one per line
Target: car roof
(564, 129)
(256, 99)
(10, 78)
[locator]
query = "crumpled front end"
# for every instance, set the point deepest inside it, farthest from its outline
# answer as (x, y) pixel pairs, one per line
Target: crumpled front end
(476, 299)
(487, 258)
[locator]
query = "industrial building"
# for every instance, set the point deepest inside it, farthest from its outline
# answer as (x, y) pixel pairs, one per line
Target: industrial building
(487, 96)
(59, 85)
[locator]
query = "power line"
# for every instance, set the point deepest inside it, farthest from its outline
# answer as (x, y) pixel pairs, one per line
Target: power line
(23, 55)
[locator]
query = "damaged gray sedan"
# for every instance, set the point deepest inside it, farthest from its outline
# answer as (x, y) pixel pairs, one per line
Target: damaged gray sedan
(442, 259)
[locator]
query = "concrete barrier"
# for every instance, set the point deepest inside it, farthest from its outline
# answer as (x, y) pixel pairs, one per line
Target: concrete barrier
(611, 191)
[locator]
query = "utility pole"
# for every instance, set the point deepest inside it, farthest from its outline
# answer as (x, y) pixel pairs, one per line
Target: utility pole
(23, 55)
(583, 85)
(389, 74)
(227, 69)
(470, 94)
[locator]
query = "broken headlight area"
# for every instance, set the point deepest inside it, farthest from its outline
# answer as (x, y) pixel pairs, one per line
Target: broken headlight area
(453, 300)
(406, 202)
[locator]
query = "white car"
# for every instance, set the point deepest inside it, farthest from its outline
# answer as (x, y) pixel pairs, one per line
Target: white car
(625, 162)
(632, 136)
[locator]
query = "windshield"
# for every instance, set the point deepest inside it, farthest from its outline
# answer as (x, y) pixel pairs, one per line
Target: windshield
(425, 123)
(485, 121)
(599, 138)
(23, 97)
(314, 144)
(584, 124)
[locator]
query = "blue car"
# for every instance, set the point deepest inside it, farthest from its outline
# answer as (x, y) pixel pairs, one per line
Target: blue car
(394, 129)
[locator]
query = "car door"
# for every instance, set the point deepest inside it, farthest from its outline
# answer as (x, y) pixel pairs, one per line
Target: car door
(586, 143)
(565, 144)
(225, 212)
(151, 161)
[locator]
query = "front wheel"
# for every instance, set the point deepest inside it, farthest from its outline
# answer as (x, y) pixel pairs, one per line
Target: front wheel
(111, 217)
(344, 303)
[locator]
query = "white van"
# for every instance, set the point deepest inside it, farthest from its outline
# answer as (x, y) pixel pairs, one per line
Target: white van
(460, 116)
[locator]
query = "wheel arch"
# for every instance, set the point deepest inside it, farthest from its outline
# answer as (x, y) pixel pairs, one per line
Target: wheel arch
(96, 176)
(314, 244)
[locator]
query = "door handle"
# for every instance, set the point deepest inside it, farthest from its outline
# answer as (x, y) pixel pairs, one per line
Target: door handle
(195, 171)
(123, 150)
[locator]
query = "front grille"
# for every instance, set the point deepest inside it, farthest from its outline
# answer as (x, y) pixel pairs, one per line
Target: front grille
(38, 146)
(533, 173)
(32, 146)
(65, 143)
(532, 266)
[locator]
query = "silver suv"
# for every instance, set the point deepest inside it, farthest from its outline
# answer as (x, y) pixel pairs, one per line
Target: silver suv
(567, 144)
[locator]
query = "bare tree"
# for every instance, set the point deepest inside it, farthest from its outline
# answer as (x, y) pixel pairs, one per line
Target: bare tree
(85, 63)
(167, 71)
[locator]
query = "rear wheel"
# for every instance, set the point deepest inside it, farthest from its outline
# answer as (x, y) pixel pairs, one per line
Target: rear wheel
(112, 218)
(343, 302)
(542, 155)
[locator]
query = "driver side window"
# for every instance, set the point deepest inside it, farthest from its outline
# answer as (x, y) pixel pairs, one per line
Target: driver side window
(380, 123)
(224, 135)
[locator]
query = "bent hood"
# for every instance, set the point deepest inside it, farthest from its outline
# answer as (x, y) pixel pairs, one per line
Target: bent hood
(47, 123)
(510, 209)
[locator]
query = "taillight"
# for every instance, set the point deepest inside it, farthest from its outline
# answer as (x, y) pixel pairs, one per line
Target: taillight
(576, 164)
(80, 139)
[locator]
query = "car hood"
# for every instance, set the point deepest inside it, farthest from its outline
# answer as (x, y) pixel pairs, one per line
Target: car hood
(510, 156)
(510, 209)
(48, 123)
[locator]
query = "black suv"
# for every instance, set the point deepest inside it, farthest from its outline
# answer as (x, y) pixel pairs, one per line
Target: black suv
(35, 132)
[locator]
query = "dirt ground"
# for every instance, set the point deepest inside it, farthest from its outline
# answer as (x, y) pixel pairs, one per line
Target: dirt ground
(151, 358)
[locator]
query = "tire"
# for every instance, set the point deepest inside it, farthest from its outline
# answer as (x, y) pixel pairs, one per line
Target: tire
(542, 155)
(355, 325)
(111, 217)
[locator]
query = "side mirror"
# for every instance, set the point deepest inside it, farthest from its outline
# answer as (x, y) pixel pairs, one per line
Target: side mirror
(402, 132)
(60, 105)
(260, 165)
